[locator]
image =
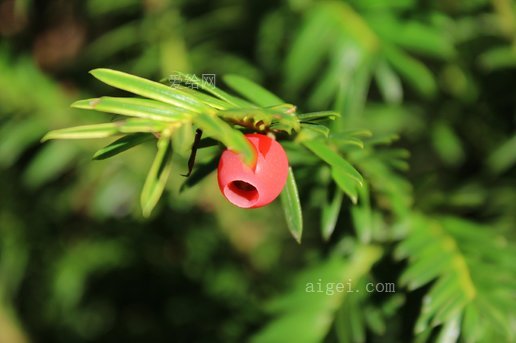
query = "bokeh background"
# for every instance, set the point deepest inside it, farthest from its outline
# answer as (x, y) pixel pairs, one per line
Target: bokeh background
(78, 263)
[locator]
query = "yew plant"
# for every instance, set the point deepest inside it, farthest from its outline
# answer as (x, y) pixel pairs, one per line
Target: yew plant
(405, 180)
(195, 114)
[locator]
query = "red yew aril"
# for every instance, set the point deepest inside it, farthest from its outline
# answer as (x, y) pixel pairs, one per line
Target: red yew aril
(258, 185)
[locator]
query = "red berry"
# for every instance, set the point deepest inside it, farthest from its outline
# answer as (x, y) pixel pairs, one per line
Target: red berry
(252, 187)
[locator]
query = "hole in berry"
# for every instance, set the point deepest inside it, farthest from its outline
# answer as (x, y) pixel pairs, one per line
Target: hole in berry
(241, 193)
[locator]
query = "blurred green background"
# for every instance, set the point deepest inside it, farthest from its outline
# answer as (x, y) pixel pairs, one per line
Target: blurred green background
(79, 264)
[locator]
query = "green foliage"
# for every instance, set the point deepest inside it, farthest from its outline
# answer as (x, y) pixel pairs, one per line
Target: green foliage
(157, 178)
(343, 173)
(168, 109)
(401, 145)
(121, 145)
(310, 307)
(458, 256)
(292, 207)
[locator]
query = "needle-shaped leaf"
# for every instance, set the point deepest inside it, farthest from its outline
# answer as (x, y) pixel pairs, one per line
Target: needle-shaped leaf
(413, 71)
(347, 140)
(382, 140)
(50, 162)
(318, 116)
(503, 157)
(150, 89)
(141, 125)
(135, 107)
(330, 214)
(292, 207)
(16, 138)
(106, 129)
(84, 131)
(350, 138)
(389, 83)
(252, 91)
(316, 129)
(345, 182)
(158, 175)
(122, 144)
(331, 157)
(215, 127)
(498, 58)
(360, 133)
